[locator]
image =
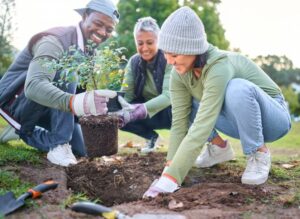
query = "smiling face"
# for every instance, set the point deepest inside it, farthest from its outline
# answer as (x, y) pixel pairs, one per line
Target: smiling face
(97, 27)
(182, 63)
(146, 44)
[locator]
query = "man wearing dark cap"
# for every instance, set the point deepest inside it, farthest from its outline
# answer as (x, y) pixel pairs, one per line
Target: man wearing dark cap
(43, 113)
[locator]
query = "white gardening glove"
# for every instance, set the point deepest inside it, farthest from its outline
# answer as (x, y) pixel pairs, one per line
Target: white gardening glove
(130, 112)
(91, 102)
(162, 185)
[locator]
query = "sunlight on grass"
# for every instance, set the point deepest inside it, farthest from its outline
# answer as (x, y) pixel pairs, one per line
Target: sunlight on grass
(291, 140)
(3, 123)
(279, 173)
(286, 148)
(18, 151)
(71, 199)
(9, 181)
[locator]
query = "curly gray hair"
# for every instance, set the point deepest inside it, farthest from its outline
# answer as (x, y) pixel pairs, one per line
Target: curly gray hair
(147, 24)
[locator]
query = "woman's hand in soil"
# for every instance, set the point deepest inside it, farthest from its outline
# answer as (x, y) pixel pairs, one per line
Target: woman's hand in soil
(162, 185)
(91, 102)
(130, 112)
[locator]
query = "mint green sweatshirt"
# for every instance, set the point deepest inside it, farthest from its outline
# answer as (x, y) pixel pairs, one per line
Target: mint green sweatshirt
(186, 143)
(155, 102)
(38, 84)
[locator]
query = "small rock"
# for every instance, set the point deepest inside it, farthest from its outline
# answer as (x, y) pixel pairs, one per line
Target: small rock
(173, 204)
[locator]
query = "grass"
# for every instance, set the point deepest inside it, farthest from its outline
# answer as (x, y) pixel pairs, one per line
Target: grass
(9, 181)
(18, 152)
(286, 148)
(71, 199)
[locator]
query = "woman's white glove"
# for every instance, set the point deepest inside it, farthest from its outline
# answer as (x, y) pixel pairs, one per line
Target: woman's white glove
(91, 102)
(162, 185)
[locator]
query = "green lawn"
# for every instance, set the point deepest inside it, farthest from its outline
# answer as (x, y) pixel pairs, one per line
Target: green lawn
(287, 147)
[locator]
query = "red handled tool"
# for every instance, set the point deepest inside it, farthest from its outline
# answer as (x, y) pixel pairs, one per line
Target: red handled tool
(8, 202)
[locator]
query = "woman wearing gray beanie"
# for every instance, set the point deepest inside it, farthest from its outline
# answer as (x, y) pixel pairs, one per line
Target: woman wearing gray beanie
(236, 97)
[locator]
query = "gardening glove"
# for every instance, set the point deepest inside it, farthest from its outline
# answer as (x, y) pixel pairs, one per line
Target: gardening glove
(164, 184)
(91, 103)
(130, 112)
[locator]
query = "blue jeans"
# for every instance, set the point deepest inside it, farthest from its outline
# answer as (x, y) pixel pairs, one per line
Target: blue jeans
(145, 127)
(57, 127)
(251, 115)
(162, 120)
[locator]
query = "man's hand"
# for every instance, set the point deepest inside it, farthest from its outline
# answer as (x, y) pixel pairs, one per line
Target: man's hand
(91, 103)
(130, 112)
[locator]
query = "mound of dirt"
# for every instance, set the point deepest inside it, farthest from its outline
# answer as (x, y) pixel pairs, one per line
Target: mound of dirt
(116, 179)
(120, 181)
(212, 192)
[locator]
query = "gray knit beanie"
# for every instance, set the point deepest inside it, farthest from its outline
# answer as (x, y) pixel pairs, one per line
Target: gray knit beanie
(183, 33)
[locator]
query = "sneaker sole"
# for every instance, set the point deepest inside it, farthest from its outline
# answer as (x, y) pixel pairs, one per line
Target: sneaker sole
(147, 151)
(254, 182)
(217, 160)
(59, 163)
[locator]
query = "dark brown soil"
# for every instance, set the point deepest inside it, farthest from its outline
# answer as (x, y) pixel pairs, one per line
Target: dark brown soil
(113, 104)
(120, 181)
(115, 180)
(213, 192)
(100, 135)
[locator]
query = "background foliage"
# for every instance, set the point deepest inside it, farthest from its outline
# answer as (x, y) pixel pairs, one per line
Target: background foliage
(282, 71)
(279, 68)
(6, 29)
(98, 68)
(132, 10)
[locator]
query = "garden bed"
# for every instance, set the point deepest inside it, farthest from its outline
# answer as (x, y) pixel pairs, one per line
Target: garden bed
(120, 181)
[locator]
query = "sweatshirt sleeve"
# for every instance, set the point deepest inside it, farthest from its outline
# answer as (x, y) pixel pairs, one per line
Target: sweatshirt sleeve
(181, 101)
(214, 87)
(162, 101)
(38, 84)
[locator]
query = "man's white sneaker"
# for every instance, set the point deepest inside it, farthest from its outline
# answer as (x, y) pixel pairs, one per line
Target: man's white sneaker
(258, 168)
(8, 134)
(213, 154)
(62, 155)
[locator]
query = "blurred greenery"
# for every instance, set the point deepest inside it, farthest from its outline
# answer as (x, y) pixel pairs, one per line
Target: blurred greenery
(18, 152)
(9, 181)
(100, 67)
(6, 30)
(132, 10)
(279, 68)
(287, 148)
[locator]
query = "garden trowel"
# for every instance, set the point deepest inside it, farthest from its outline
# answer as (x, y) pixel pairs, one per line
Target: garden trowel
(8, 202)
(108, 213)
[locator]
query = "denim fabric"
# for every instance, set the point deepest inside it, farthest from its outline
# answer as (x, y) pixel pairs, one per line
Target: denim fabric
(252, 116)
(162, 120)
(57, 127)
(145, 127)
